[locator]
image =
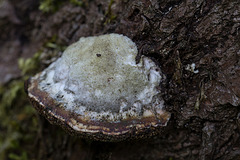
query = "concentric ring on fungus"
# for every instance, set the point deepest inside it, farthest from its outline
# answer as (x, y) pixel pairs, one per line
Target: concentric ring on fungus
(96, 90)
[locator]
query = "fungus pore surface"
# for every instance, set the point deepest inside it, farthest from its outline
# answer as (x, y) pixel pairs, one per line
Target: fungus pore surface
(97, 82)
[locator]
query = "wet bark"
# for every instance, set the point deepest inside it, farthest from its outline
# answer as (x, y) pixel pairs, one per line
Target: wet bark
(196, 44)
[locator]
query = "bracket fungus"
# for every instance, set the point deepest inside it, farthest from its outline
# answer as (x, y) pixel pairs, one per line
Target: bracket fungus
(96, 90)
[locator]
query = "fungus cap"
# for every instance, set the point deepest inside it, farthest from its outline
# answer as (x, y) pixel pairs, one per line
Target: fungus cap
(97, 90)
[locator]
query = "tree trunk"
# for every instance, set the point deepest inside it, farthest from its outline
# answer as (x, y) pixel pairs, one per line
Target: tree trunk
(196, 44)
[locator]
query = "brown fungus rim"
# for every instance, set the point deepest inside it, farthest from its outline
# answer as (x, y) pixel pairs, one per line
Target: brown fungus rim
(85, 128)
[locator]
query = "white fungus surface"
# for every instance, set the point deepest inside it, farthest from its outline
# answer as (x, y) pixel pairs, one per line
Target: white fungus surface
(98, 78)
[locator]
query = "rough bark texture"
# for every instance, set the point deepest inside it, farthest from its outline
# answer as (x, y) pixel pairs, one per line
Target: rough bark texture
(204, 101)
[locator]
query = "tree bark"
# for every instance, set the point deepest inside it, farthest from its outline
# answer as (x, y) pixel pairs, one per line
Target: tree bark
(196, 44)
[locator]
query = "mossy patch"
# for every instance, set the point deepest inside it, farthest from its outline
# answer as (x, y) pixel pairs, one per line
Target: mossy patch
(50, 5)
(53, 5)
(109, 15)
(19, 123)
(77, 2)
(29, 65)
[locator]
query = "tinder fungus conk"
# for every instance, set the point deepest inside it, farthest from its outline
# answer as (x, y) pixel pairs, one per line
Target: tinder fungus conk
(96, 90)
